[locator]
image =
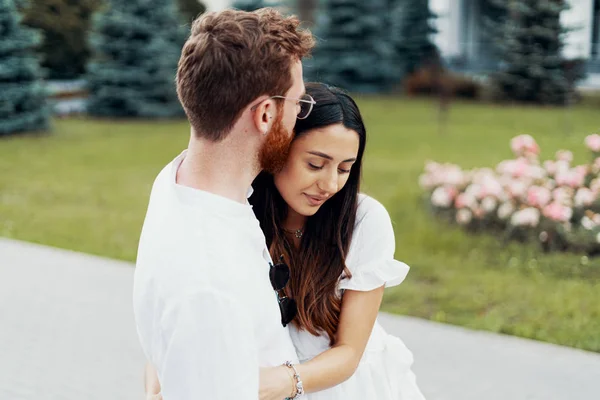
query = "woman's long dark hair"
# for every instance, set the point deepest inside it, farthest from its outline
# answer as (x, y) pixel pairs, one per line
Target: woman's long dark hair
(316, 266)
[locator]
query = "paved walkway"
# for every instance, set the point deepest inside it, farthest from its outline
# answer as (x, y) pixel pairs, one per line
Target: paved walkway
(67, 332)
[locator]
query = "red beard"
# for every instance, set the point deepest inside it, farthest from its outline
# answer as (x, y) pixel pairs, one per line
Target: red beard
(276, 148)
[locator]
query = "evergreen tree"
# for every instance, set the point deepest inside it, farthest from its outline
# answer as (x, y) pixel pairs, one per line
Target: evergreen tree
(529, 43)
(190, 9)
(137, 45)
(354, 51)
(64, 25)
(412, 31)
(306, 10)
(22, 97)
(248, 5)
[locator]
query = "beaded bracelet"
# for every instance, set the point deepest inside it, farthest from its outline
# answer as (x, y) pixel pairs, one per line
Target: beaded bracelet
(299, 385)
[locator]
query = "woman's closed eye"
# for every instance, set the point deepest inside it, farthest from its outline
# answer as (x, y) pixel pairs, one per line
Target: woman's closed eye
(320, 167)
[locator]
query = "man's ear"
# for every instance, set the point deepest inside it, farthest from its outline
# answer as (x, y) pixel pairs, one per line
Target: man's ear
(264, 115)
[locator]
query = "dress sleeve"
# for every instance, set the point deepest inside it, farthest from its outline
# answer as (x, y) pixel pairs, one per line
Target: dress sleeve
(371, 256)
(209, 350)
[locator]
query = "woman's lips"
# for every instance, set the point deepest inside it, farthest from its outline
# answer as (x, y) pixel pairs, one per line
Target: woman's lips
(315, 200)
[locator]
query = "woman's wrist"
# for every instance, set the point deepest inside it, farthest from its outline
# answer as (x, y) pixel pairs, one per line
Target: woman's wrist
(291, 387)
(297, 385)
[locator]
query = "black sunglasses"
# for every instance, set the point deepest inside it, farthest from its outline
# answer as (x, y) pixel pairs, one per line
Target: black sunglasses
(280, 276)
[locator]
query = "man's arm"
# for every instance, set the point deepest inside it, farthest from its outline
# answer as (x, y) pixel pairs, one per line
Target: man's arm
(209, 350)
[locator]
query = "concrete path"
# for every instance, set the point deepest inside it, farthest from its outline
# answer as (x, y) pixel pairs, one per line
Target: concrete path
(67, 332)
(66, 326)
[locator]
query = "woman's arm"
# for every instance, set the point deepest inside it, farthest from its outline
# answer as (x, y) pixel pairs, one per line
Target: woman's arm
(328, 369)
(151, 383)
(334, 366)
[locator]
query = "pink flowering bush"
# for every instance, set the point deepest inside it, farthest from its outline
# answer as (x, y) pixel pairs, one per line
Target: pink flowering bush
(552, 202)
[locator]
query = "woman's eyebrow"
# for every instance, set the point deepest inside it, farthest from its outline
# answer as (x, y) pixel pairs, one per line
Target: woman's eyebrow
(327, 156)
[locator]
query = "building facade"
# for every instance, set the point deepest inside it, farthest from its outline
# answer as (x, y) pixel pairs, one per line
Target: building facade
(464, 46)
(466, 49)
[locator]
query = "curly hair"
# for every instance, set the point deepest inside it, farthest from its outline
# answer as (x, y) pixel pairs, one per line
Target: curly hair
(231, 58)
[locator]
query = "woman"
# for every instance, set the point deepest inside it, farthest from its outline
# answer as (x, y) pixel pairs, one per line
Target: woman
(339, 245)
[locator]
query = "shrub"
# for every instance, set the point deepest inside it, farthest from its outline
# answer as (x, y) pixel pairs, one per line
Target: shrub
(554, 203)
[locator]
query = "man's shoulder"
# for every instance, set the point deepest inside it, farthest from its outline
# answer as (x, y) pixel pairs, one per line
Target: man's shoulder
(164, 176)
(198, 262)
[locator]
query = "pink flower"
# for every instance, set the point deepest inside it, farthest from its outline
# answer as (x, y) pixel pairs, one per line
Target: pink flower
(584, 197)
(517, 189)
(573, 177)
(578, 176)
(562, 195)
(593, 142)
(489, 204)
(535, 172)
(558, 212)
(465, 200)
(474, 190)
(426, 182)
(491, 187)
(441, 174)
(538, 196)
(562, 178)
(562, 166)
(526, 217)
(550, 167)
(464, 216)
(587, 223)
(443, 196)
(452, 175)
(506, 167)
(524, 145)
(564, 155)
(520, 167)
(432, 167)
(505, 210)
(480, 175)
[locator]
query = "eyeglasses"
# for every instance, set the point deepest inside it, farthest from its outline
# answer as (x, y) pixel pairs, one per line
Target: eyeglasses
(304, 104)
(280, 276)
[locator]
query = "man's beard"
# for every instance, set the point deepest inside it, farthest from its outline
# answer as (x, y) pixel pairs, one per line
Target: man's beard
(276, 148)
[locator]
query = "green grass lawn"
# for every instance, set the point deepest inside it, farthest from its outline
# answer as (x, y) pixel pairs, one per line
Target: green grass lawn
(85, 187)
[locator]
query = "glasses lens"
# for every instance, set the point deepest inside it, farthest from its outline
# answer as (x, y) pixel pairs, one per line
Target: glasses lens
(279, 275)
(306, 106)
(288, 309)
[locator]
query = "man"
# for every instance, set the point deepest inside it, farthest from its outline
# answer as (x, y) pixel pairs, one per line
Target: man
(206, 312)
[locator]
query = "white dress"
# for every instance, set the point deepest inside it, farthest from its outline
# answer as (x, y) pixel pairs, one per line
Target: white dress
(384, 372)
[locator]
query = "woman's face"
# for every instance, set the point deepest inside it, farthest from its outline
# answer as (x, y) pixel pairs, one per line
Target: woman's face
(318, 167)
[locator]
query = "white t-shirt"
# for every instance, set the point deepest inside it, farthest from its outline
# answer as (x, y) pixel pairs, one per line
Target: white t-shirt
(206, 314)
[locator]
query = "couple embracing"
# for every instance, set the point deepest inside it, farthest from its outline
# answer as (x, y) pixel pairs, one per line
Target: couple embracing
(261, 267)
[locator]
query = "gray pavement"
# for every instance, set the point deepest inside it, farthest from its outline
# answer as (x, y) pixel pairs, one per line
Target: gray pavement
(67, 332)
(66, 326)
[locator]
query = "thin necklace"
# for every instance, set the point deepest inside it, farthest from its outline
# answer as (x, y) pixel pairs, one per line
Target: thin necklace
(298, 232)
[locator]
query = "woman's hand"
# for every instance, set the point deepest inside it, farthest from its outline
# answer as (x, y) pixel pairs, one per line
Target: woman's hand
(152, 385)
(276, 383)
